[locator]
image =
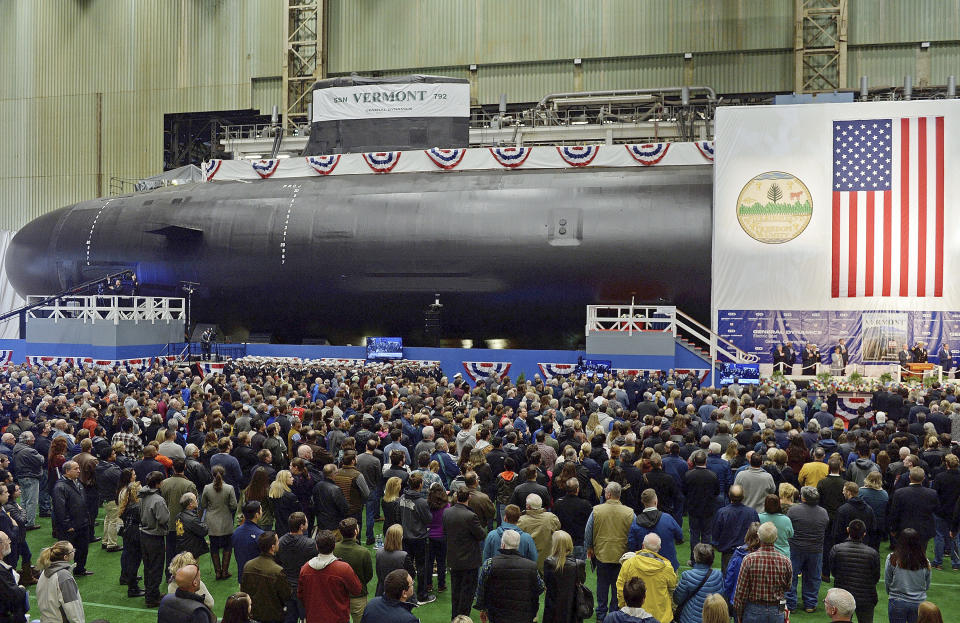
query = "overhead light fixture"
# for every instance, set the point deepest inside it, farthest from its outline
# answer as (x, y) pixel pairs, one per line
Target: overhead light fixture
(578, 61)
(687, 56)
(925, 45)
(473, 68)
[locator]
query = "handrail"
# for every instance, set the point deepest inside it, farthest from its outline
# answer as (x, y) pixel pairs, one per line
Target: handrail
(740, 354)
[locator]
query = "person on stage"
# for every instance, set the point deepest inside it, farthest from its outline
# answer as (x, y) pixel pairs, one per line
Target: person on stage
(790, 359)
(809, 358)
(920, 353)
(841, 350)
(779, 355)
(946, 359)
(904, 356)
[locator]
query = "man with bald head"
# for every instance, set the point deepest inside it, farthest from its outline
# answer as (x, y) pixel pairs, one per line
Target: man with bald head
(71, 521)
(185, 605)
(657, 574)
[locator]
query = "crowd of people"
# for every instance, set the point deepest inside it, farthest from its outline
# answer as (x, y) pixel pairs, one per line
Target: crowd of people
(282, 472)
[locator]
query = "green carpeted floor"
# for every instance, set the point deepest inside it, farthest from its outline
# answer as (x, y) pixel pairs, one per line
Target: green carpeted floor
(104, 598)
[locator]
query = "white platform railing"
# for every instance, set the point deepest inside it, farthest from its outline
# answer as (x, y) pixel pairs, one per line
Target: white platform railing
(113, 309)
(664, 319)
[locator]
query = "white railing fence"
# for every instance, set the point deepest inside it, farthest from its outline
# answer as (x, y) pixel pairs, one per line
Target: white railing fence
(113, 309)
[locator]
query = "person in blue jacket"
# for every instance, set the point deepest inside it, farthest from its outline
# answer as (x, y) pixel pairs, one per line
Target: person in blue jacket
(511, 515)
(244, 538)
(651, 519)
(730, 576)
(696, 584)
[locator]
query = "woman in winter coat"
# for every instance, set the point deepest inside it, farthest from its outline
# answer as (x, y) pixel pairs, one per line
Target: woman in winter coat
(392, 556)
(561, 574)
(219, 503)
(284, 500)
(751, 544)
(696, 584)
(391, 502)
(58, 597)
(128, 509)
(190, 528)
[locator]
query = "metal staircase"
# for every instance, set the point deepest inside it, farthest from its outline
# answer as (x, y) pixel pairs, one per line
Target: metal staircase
(686, 330)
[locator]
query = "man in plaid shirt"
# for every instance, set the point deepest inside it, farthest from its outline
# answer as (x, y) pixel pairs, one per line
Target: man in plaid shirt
(765, 577)
(132, 442)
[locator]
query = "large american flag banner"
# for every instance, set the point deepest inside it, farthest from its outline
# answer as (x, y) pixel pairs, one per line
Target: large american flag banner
(888, 207)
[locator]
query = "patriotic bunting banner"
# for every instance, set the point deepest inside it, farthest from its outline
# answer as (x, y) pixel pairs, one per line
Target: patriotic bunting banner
(382, 161)
(649, 154)
(53, 361)
(6, 358)
(446, 159)
(324, 165)
(847, 405)
(550, 370)
(706, 149)
(511, 157)
(210, 169)
(211, 368)
(578, 156)
(266, 168)
(483, 369)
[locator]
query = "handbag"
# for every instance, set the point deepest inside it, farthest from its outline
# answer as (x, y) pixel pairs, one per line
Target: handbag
(679, 609)
(583, 600)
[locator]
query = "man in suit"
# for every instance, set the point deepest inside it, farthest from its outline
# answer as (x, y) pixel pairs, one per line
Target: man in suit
(946, 359)
(809, 358)
(465, 538)
(914, 507)
(790, 357)
(779, 358)
(904, 355)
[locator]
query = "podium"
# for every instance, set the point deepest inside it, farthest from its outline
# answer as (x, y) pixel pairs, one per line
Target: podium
(917, 370)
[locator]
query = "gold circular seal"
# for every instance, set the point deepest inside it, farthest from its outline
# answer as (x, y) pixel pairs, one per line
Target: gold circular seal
(774, 207)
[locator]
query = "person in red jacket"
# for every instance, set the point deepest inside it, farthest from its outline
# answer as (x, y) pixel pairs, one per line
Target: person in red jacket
(327, 584)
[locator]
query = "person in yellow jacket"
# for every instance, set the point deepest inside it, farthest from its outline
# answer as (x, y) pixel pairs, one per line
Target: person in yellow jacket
(656, 572)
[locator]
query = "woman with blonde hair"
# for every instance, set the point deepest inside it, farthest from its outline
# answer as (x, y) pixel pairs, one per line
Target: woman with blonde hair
(561, 574)
(876, 498)
(392, 556)
(928, 612)
(391, 502)
(283, 500)
(128, 510)
(715, 609)
(181, 560)
(788, 496)
(58, 597)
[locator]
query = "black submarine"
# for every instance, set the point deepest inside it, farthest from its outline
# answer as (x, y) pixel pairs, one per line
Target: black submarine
(513, 254)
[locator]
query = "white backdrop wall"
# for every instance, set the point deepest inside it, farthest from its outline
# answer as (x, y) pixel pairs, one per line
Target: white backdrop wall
(796, 274)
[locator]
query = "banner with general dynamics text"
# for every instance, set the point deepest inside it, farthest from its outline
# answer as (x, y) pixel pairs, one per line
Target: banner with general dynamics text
(384, 101)
(871, 337)
(837, 207)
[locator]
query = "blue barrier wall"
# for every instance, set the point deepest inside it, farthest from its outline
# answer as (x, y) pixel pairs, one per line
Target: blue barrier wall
(451, 359)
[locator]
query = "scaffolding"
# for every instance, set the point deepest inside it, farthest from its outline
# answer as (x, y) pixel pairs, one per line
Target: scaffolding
(820, 45)
(303, 58)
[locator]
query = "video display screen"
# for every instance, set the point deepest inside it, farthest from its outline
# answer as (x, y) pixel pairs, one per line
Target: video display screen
(742, 373)
(384, 348)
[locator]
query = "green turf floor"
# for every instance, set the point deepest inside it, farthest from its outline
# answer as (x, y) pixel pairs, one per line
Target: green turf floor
(104, 598)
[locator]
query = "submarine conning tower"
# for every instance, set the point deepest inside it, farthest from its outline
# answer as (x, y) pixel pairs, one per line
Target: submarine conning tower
(353, 114)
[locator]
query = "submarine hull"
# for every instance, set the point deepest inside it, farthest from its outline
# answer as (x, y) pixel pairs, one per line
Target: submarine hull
(512, 254)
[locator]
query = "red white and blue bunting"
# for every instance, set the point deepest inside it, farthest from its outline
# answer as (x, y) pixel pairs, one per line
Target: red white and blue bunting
(6, 358)
(210, 169)
(446, 159)
(483, 369)
(706, 149)
(382, 161)
(511, 157)
(578, 156)
(847, 405)
(266, 168)
(648, 154)
(551, 370)
(53, 361)
(324, 165)
(211, 368)
(439, 160)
